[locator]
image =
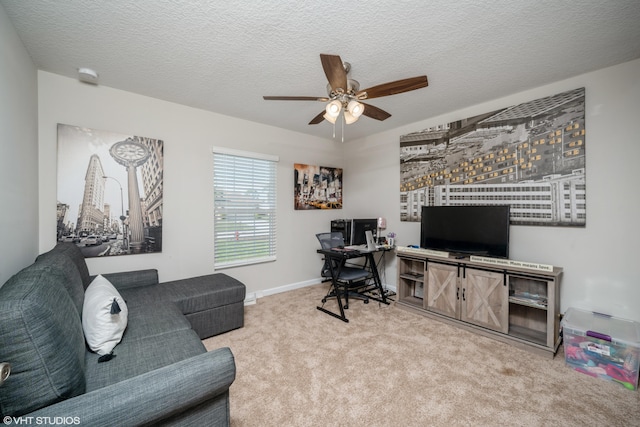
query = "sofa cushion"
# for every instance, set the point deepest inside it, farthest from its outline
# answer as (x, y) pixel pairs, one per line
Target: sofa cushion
(192, 295)
(138, 356)
(145, 295)
(104, 316)
(133, 279)
(41, 336)
(213, 304)
(203, 293)
(155, 319)
(71, 251)
(74, 285)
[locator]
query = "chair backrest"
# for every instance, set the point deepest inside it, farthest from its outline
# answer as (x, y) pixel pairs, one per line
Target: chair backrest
(330, 240)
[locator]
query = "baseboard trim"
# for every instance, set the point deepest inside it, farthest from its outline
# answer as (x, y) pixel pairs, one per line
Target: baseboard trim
(252, 298)
(289, 287)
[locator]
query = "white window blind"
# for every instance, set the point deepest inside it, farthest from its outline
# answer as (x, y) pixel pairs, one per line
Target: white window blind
(244, 207)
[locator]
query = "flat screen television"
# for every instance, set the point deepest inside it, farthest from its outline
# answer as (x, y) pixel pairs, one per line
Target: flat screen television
(468, 230)
(359, 227)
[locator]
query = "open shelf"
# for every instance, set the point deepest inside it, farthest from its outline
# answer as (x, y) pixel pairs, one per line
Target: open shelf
(411, 278)
(529, 302)
(413, 301)
(538, 337)
(418, 277)
(529, 291)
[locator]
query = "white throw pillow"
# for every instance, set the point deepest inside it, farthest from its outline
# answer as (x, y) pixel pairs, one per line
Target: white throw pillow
(103, 325)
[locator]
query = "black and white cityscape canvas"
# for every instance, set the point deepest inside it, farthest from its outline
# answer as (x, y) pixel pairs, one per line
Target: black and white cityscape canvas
(109, 195)
(530, 156)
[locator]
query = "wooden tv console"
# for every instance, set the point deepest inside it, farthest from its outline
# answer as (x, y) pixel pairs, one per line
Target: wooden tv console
(513, 302)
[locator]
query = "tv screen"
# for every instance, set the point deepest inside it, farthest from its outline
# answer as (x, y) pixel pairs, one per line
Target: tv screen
(470, 230)
(358, 228)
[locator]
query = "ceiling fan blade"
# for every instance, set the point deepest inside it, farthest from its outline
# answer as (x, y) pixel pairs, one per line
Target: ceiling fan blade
(317, 119)
(375, 112)
(392, 88)
(295, 98)
(335, 72)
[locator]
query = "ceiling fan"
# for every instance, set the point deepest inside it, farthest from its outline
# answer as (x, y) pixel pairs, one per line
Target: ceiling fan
(345, 96)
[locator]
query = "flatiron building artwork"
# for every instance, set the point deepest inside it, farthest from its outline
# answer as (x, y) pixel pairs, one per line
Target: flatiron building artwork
(112, 185)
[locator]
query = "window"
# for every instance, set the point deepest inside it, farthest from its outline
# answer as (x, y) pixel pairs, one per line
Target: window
(244, 188)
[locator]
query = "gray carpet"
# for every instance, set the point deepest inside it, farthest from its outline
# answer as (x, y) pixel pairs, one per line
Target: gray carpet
(297, 366)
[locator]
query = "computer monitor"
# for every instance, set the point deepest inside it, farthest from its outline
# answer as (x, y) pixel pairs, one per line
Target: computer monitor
(359, 227)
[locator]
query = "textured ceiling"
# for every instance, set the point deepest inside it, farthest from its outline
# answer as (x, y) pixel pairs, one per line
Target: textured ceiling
(223, 56)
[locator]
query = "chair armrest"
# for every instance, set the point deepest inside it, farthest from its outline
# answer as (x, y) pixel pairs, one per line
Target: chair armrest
(132, 279)
(151, 397)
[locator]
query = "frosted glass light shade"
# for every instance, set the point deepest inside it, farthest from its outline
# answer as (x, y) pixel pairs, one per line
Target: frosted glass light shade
(333, 108)
(330, 119)
(355, 108)
(349, 118)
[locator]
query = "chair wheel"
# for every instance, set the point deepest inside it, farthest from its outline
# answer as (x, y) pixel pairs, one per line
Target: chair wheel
(324, 300)
(346, 307)
(366, 301)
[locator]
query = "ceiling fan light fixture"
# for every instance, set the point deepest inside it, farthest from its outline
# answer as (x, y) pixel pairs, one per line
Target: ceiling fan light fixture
(330, 119)
(355, 108)
(349, 118)
(333, 108)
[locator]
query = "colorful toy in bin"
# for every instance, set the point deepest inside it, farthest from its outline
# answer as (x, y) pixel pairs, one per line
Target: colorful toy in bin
(575, 352)
(620, 375)
(602, 346)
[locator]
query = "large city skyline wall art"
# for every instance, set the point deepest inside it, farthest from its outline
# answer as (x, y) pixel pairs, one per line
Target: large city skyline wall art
(109, 194)
(529, 156)
(317, 187)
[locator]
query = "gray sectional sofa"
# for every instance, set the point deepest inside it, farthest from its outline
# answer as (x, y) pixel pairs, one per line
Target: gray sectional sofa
(160, 374)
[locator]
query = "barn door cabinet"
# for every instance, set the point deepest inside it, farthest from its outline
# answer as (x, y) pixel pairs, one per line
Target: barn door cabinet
(515, 305)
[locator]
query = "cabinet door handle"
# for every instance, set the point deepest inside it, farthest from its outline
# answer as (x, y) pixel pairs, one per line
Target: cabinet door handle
(457, 293)
(463, 297)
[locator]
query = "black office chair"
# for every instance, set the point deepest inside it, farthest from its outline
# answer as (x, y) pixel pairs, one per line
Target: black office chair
(350, 278)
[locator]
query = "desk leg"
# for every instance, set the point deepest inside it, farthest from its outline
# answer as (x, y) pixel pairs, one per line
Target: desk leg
(376, 279)
(337, 290)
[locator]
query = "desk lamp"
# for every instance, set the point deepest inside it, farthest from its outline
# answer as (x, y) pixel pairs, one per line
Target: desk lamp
(382, 224)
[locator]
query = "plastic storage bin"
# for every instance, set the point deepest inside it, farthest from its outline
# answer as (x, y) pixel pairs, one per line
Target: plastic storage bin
(602, 346)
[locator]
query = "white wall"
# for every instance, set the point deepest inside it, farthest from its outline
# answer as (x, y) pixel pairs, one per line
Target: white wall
(18, 153)
(598, 260)
(189, 135)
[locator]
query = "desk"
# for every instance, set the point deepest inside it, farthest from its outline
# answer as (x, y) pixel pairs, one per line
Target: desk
(340, 256)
